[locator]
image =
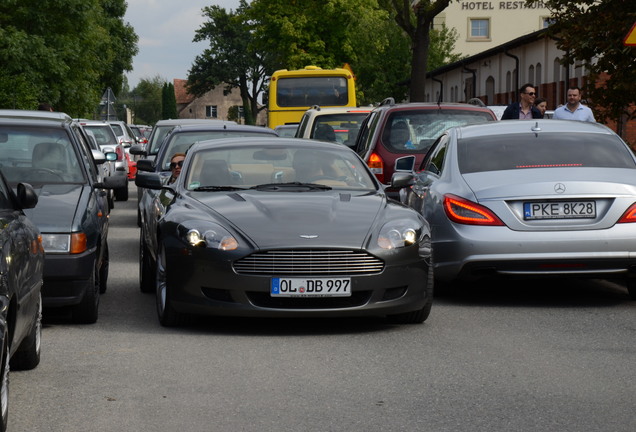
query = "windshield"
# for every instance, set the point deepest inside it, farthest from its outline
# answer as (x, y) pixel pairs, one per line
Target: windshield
(542, 150)
(38, 156)
(180, 142)
(417, 130)
(252, 166)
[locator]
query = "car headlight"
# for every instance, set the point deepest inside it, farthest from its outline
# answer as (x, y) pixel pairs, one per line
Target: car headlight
(210, 235)
(399, 233)
(64, 243)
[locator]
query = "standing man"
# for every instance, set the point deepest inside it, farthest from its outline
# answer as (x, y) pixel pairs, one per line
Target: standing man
(574, 109)
(524, 109)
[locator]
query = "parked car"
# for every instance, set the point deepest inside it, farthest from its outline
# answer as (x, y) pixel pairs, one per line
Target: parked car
(140, 133)
(286, 131)
(283, 227)
(178, 140)
(123, 132)
(53, 155)
(394, 130)
(21, 267)
(161, 129)
(339, 125)
(107, 141)
(524, 198)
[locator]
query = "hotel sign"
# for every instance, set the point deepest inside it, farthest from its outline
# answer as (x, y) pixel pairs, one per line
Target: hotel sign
(506, 5)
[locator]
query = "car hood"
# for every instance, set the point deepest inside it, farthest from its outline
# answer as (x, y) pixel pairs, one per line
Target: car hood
(311, 219)
(56, 208)
(542, 183)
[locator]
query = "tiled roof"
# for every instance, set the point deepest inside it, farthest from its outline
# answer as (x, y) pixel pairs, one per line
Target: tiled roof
(181, 94)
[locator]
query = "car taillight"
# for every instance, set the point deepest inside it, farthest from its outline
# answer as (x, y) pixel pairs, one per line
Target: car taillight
(376, 165)
(629, 216)
(120, 154)
(466, 212)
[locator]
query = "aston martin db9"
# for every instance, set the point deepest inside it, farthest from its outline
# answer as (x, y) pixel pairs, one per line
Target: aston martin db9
(528, 198)
(289, 228)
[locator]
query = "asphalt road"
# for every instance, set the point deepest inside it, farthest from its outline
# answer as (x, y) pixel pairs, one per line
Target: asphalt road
(514, 357)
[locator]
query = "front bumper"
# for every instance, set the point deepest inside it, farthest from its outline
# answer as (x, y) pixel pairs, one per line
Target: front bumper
(66, 278)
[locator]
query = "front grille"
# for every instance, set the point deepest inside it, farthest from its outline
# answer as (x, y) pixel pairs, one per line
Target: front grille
(309, 263)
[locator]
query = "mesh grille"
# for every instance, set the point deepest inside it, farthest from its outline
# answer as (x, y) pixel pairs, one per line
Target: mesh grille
(309, 263)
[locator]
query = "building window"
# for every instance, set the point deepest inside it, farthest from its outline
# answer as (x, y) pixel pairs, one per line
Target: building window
(490, 90)
(211, 111)
(479, 29)
(539, 79)
(546, 22)
(531, 74)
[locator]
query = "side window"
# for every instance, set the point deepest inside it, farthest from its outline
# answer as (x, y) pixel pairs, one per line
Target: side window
(302, 126)
(5, 202)
(435, 160)
(85, 153)
(367, 131)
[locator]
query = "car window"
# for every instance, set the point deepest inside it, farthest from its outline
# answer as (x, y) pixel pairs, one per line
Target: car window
(303, 125)
(104, 134)
(5, 201)
(342, 128)
(417, 130)
(367, 131)
(542, 150)
(434, 163)
(180, 142)
(251, 166)
(157, 137)
(85, 153)
(38, 156)
(117, 128)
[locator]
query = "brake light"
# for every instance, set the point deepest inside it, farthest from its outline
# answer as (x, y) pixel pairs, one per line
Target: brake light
(466, 212)
(376, 165)
(629, 216)
(120, 154)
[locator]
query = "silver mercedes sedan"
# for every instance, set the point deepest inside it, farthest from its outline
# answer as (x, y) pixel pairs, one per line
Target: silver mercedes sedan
(526, 198)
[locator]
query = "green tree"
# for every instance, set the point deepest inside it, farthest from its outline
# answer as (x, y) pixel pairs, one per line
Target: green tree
(230, 60)
(146, 100)
(416, 19)
(168, 102)
(592, 33)
(56, 52)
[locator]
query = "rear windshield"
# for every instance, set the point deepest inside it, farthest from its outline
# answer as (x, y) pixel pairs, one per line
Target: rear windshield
(341, 128)
(104, 134)
(416, 131)
(543, 150)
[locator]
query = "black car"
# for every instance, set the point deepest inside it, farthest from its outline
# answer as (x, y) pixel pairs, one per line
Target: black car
(50, 151)
(21, 267)
(178, 140)
(286, 227)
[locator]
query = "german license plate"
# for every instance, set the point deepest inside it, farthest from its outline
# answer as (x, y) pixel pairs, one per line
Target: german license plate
(320, 287)
(559, 210)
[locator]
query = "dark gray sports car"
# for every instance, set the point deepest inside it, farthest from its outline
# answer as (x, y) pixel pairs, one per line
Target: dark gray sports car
(287, 227)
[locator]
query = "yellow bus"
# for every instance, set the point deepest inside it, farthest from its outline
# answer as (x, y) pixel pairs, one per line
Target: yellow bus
(292, 92)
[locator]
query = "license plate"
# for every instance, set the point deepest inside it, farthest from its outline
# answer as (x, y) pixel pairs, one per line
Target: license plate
(321, 287)
(559, 210)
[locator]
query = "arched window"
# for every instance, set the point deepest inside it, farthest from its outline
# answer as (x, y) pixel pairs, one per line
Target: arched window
(539, 80)
(557, 82)
(490, 90)
(531, 74)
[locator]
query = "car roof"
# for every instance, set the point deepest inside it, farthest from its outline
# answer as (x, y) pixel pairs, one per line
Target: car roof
(506, 127)
(267, 141)
(36, 115)
(232, 126)
(336, 110)
(430, 105)
(176, 122)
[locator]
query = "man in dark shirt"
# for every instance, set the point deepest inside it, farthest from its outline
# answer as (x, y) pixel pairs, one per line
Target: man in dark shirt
(524, 109)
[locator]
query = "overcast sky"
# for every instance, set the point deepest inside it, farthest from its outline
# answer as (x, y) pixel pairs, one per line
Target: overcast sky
(166, 29)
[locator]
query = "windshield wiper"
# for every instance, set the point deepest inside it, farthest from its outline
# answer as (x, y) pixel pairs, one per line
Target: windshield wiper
(217, 188)
(276, 186)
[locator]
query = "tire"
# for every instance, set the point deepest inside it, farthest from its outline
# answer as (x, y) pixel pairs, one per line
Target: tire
(27, 356)
(147, 268)
(168, 317)
(103, 270)
(87, 311)
(4, 382)
(631, 288)
(121, 194)
(420, 315)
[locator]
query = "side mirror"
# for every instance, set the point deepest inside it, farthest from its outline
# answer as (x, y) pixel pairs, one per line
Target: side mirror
(145, 165)
(148, 180)
(138, 149)
(27, 198)
(402, 180)
(98, 156)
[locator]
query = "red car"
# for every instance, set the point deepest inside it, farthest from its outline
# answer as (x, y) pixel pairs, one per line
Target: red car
(132, 167)
(392, 131)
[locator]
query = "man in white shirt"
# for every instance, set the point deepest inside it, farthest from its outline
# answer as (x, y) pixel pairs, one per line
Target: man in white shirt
(574, 109)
